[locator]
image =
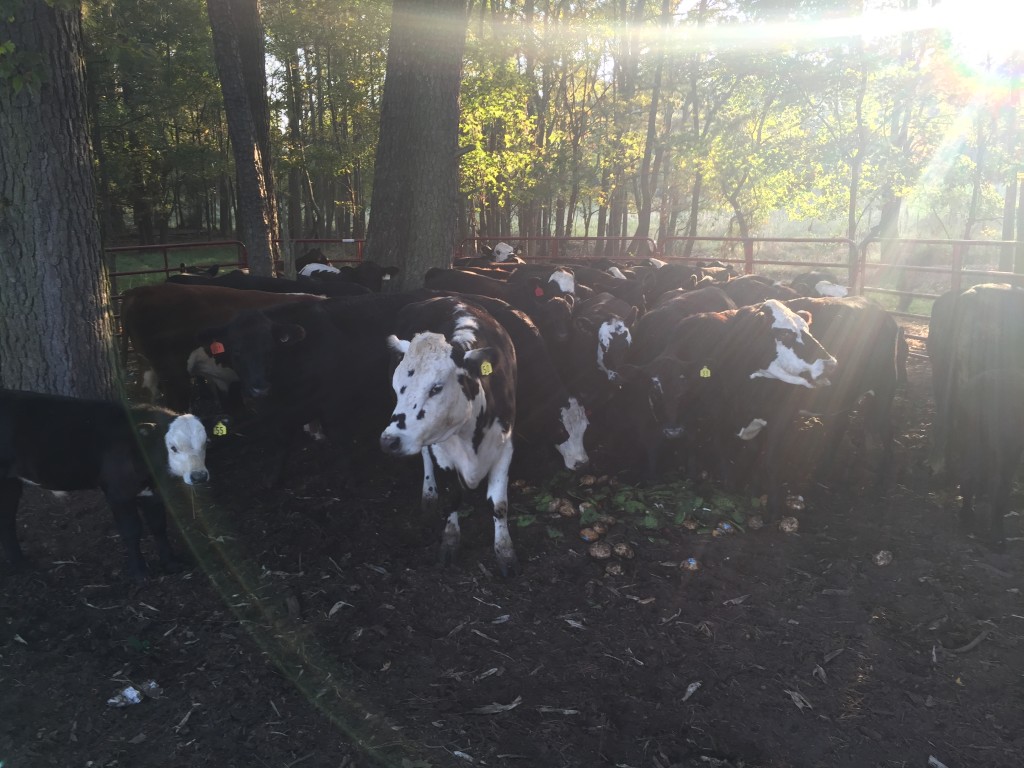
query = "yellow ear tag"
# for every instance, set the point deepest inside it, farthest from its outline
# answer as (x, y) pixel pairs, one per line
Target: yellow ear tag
(220, 429)
(705, 372)
(486, 369)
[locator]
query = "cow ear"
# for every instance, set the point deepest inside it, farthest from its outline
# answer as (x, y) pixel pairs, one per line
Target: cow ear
(805, 315)
(536, 285)
(480, 362)
(289, 334)
(146, 429)
(395, 344)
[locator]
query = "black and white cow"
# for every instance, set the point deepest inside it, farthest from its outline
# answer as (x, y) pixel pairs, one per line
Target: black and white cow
(735, 361)
(455, 387)
(68, 444)
(598, 346)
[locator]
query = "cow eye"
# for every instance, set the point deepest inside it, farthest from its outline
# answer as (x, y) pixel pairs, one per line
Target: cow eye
(174, 449)
(436, 389)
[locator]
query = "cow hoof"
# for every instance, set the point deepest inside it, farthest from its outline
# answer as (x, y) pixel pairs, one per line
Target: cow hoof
(446, 556)
(508, 565)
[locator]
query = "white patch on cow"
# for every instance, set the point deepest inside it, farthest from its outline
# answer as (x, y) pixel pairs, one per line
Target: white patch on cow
(429, 494)
(466, 327)
(152, 384)
(430, 397)
(616, 273)
(827, 288)
(315, 430)
(201, 364)
(186, 448)
(752, 429)
(312, 269)
(657, 263)
(502, 251)
(609, 330)
(56, 494)
(574, 419)
(564, 280)
(787, 365)
(145, 493)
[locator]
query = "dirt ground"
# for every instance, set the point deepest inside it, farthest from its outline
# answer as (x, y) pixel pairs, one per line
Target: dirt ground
(315, 629)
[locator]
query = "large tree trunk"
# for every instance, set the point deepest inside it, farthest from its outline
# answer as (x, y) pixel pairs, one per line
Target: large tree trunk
(414, 210)
(54, 298)
(238, 48)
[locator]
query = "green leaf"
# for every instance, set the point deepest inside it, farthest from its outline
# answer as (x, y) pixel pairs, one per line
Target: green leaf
(554, 533)
(524, 520)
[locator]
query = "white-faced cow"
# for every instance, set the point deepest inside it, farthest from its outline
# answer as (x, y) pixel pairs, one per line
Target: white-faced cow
(455, 386)
(67, 444)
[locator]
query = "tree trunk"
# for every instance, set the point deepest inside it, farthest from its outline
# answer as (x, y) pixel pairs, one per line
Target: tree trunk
(238, 48)
(414, 208)
(54, 301)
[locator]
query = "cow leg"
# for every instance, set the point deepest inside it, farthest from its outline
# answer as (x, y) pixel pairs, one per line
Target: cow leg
(429, 500)
(497, 494)
(1002, 484)
(10, 495)
(129, 525)
(155, 515)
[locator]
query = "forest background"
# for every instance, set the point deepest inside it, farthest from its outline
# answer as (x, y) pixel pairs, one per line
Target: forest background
(601, 118)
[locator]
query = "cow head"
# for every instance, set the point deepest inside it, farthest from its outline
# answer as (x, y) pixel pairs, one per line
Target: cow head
(248, 344)
(662, 389)
(798, 358)
(185, 444)
(554, 319)
(437, 386)
(502, 251)
(573, 423)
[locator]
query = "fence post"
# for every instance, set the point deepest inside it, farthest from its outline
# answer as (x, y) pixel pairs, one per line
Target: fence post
(958, 265)
(748, 256)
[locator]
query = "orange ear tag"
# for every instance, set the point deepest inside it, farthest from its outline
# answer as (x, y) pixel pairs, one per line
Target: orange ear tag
(538, 291)
(216, 348)
(486, 369)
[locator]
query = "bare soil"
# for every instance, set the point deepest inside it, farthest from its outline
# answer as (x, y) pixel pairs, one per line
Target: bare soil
(316, 629)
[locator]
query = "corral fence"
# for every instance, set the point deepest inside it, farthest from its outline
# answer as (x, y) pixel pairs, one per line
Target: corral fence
(903, 274)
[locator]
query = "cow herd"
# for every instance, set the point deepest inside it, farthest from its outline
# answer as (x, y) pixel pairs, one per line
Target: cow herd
(641, 368)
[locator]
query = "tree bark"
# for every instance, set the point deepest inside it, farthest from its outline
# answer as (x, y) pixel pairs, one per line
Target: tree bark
(238, 48)
(54, 297)
(414, 210)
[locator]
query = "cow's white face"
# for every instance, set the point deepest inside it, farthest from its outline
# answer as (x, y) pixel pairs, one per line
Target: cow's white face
(186, 449)
(502, 251)
(613, 340)
(312, 269)
(826, 288)
(564, 279)
(799, 358)
(435, 396)
(575, 422)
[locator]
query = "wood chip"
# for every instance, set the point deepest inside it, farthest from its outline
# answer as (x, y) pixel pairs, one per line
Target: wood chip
(495, 708)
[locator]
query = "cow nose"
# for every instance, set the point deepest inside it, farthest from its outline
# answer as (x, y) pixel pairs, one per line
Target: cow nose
(672, 432)
(830, 366)
(580, 465)
(198, 476)
(391, 444)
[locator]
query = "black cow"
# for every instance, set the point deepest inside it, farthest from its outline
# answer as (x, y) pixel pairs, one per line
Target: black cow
(67, 444)
(162, 322)
(865, 340)
(972, 332)
(818, 283)
(302, 365)
(654, 329)
(747, 290)
(988, 424)
(455, 386)
(368, 274)
(542, 300)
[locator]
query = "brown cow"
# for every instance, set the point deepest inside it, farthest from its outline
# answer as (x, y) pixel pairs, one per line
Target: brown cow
(162, 322)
